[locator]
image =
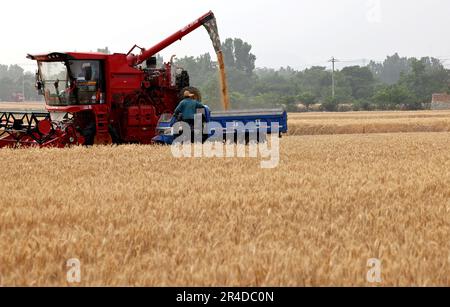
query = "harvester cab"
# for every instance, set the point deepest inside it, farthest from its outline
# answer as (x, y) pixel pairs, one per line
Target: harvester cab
(69, 81)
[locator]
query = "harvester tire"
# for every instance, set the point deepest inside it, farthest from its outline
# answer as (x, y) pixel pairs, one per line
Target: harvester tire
(114, 135)
(88, 133)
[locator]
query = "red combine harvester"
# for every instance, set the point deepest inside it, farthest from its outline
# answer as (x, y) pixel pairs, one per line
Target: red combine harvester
(95, 98)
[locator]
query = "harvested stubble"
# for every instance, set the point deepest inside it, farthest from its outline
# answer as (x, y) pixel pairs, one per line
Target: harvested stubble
(368, 122)
(22, 106)
(134, 215)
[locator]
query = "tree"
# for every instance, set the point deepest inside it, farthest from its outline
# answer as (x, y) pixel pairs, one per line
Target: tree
(391, 69)
(15, 72)
(289, 103)
(360, 80)
(307, 99)
(362, 105)
(237, 55)
(390, 97)
(201, 69)
(104, 50)
(228, 52)
(7, 87)
(316, 80)
(31, 93)
(427, 76)
(212, 94)
(273, 81)
(330, 104)
(3, 71)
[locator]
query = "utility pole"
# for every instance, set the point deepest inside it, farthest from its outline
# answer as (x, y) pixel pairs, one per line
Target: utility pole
(333, 90)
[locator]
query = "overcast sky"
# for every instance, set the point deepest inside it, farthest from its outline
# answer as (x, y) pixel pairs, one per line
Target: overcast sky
(298, 33)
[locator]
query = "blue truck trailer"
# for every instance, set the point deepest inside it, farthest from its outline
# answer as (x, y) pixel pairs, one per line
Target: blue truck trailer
(226, 125)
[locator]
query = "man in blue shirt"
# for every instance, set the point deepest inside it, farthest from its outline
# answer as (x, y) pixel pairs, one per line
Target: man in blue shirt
(187, 109)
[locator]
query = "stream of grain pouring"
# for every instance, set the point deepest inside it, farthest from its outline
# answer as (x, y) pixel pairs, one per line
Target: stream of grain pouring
(211, 27)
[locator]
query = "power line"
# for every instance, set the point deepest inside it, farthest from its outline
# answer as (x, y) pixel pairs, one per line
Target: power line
(353, 61)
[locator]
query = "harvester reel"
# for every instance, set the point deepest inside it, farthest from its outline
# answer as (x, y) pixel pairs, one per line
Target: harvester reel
(26, 127)
(21, 129)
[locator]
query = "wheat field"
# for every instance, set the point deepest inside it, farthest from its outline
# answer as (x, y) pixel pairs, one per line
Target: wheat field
(134, 215)
(323, 123)
(22, 106)
(368, 122)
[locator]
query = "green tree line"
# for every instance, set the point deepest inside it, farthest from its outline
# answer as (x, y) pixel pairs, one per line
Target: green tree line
(397, 83)
(14, 80)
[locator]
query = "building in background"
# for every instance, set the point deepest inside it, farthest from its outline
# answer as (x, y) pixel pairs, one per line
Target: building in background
(18, 97)
(440, 101)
